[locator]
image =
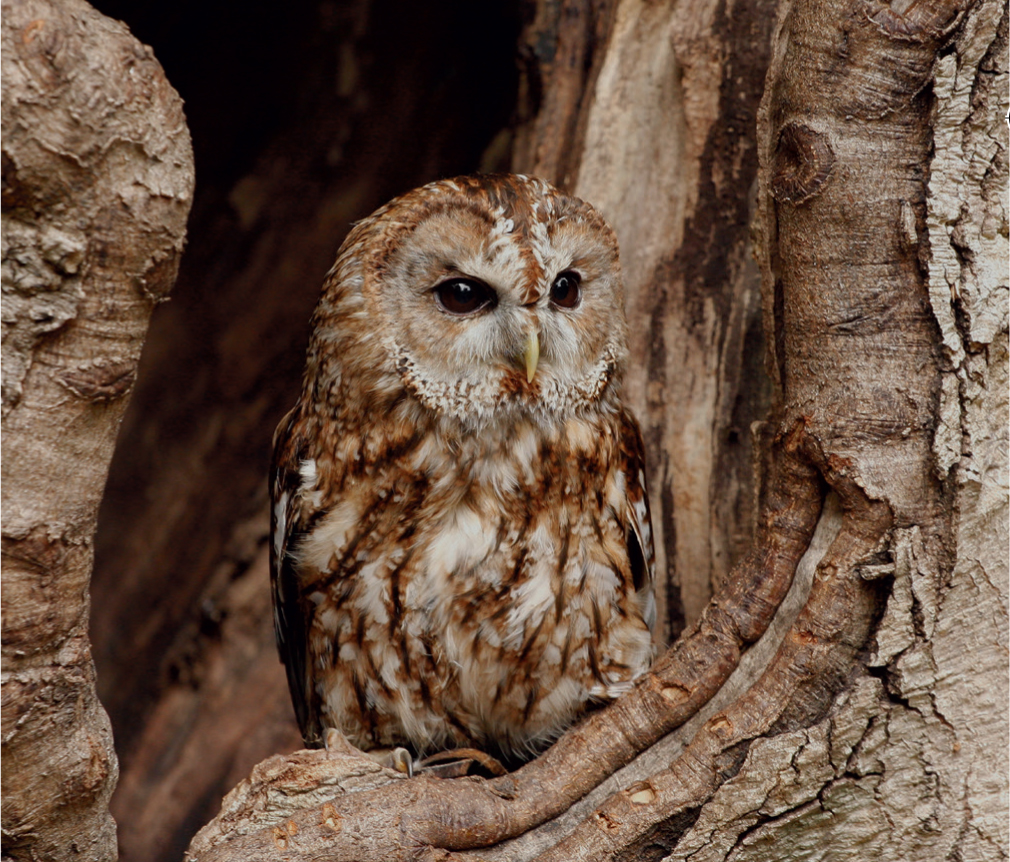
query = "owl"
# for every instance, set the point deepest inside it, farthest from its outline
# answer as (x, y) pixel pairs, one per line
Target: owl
(461, 547)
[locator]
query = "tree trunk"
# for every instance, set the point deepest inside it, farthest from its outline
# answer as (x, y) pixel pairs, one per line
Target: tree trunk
(97, 181)
(868, 716)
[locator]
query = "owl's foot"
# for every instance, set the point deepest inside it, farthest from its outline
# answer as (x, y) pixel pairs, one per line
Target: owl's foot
(445, 764)
(459, 762)
(398, 759)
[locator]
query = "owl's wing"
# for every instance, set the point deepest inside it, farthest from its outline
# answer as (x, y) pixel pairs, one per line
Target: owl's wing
(292, 613)
(638, 530)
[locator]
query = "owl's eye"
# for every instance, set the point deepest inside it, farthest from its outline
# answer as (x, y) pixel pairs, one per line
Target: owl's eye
(566, 292)
(464, 296)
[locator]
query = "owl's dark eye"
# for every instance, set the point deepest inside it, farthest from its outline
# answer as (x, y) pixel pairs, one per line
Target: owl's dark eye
(566, 292)
(464, 296)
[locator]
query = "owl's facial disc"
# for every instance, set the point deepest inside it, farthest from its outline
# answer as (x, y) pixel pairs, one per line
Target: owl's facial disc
(495, 311)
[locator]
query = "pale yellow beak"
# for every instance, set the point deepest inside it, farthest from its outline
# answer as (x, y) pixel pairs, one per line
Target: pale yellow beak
(531, 354)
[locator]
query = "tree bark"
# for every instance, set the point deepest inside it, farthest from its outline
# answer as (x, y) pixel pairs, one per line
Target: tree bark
(97, 181)
(911, 762)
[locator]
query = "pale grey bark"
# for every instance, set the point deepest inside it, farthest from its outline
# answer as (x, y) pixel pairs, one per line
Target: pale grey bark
(912, 764)
(97, 181)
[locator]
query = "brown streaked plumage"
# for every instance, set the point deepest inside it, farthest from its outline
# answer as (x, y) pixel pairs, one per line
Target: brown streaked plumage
(462, 552)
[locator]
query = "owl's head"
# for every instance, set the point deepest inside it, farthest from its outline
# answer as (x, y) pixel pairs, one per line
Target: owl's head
(482, 297)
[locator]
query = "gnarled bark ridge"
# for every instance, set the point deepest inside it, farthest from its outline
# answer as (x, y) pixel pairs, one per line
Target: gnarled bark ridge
(97, 181)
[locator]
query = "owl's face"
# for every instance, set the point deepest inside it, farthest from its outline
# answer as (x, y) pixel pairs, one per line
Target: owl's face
(494, 295)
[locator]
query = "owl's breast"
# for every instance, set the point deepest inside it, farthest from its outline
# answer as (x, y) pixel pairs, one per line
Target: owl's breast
(469, 598)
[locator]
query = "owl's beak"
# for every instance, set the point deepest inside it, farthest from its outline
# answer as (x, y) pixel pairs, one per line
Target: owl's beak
(531, 354)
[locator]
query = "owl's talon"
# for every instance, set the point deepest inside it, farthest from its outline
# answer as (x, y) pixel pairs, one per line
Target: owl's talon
(457, 762)
(401, 761)
(398, 759)
(336, 743)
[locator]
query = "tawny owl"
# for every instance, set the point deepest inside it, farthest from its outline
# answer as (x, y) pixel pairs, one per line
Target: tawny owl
(462, 553)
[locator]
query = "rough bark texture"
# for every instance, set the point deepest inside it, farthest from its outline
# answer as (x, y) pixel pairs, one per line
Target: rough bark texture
(97, 182)
(911, 763)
